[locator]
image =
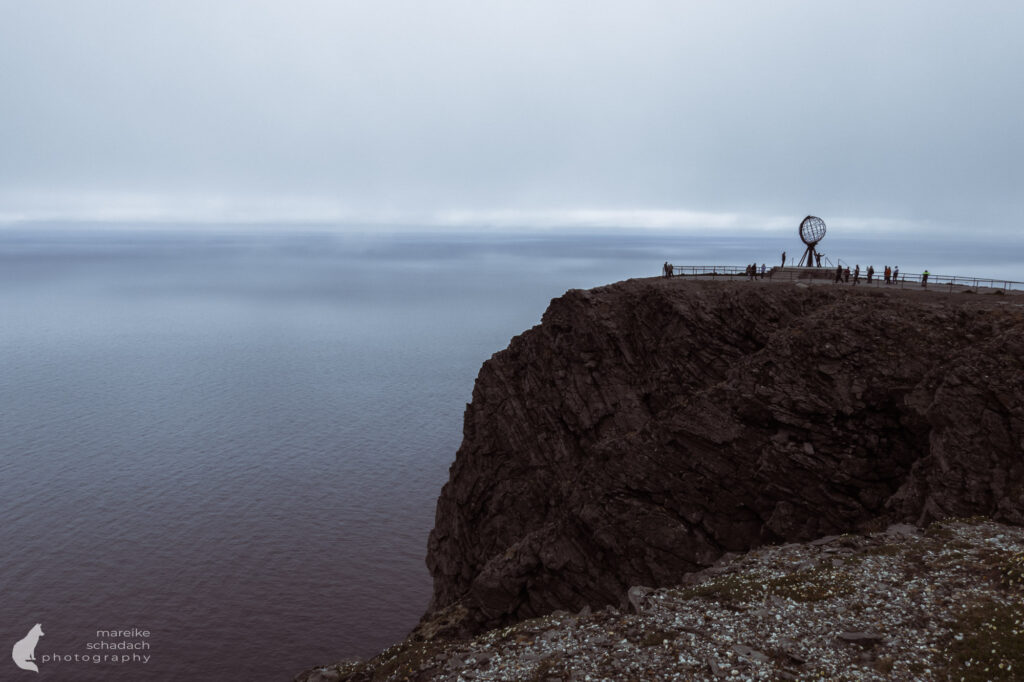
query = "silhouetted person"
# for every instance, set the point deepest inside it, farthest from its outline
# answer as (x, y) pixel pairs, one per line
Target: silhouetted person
(888, 274)
(896, 274)
(839, 274)
(667, 270)
(846, 275)
(856, 274)
(924, 278)
(783, 259)
(818, 256)
(871, 273)
(763, 268)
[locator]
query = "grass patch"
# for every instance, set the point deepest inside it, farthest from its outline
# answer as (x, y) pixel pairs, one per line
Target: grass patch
(656, 637)
(987, 643)
(552, 666)
(803, 586)
(406, 661)
(883, 664)
(937, 531)
(876, 525)
(888, 549)
(1011, 572)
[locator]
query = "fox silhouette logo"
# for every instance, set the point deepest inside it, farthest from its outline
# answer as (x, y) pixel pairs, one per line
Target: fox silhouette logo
(24, 652)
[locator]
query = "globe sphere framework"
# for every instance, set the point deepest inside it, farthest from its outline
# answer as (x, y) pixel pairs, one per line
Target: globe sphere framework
(812, 230)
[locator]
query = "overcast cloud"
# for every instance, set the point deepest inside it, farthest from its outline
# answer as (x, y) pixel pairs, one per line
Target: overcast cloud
(659, 114)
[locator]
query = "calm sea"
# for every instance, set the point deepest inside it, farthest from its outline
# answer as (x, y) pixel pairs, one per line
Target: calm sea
(233, 441)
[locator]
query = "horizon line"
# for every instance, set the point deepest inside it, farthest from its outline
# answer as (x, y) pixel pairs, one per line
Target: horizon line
(655, 220)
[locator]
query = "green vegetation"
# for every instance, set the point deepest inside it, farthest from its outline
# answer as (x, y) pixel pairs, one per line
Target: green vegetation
(1012, 571)
(549, 667)
(888, 549)
(404, 661)
(656, 637)
(987, 643)
(804, 586)
(938, 531)
(883, 664)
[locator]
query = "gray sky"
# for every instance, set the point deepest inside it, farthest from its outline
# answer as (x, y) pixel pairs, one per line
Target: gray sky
(875, 115)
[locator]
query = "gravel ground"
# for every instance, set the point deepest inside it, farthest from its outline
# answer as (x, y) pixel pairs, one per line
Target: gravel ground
(905, 604)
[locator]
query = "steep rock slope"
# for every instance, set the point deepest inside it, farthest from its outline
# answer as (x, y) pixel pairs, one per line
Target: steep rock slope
(645, 428)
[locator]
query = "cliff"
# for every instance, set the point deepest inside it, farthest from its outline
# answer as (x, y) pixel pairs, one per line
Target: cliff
(646, 428)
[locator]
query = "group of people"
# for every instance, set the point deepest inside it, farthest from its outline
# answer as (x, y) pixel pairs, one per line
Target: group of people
(752, 271)
(891, 275)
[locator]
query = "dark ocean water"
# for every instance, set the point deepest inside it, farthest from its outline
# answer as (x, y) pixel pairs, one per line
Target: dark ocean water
(235, 441)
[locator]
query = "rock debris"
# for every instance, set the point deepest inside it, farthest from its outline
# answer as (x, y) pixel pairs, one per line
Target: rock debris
(944, 602)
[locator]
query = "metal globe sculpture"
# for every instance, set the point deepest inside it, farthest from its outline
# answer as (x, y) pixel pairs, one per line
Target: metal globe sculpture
(812, 231)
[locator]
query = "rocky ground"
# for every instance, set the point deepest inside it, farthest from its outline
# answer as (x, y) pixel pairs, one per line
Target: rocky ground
(940, 603)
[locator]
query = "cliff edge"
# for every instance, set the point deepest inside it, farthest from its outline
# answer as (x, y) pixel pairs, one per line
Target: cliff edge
(901, 604)
(646, 428)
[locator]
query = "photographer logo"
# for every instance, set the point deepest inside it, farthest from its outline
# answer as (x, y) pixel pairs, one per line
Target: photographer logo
(109, 648)
(24, 651)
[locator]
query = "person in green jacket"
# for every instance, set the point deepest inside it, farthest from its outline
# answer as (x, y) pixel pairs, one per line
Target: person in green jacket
(924, 278)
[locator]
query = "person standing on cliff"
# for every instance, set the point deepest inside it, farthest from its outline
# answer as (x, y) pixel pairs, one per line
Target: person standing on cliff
(839, 274)
(856, 274)
(871, 273)
(895, 274)
(846, 275)
(783, 259)
(924, 278)
(764, 268)
(667, 270)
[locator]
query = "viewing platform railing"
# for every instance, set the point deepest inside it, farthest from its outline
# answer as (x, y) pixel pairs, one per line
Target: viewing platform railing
(709, 270)
(828, 274)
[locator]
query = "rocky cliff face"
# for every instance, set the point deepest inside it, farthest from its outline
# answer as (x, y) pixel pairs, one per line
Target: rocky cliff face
(645, 428)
